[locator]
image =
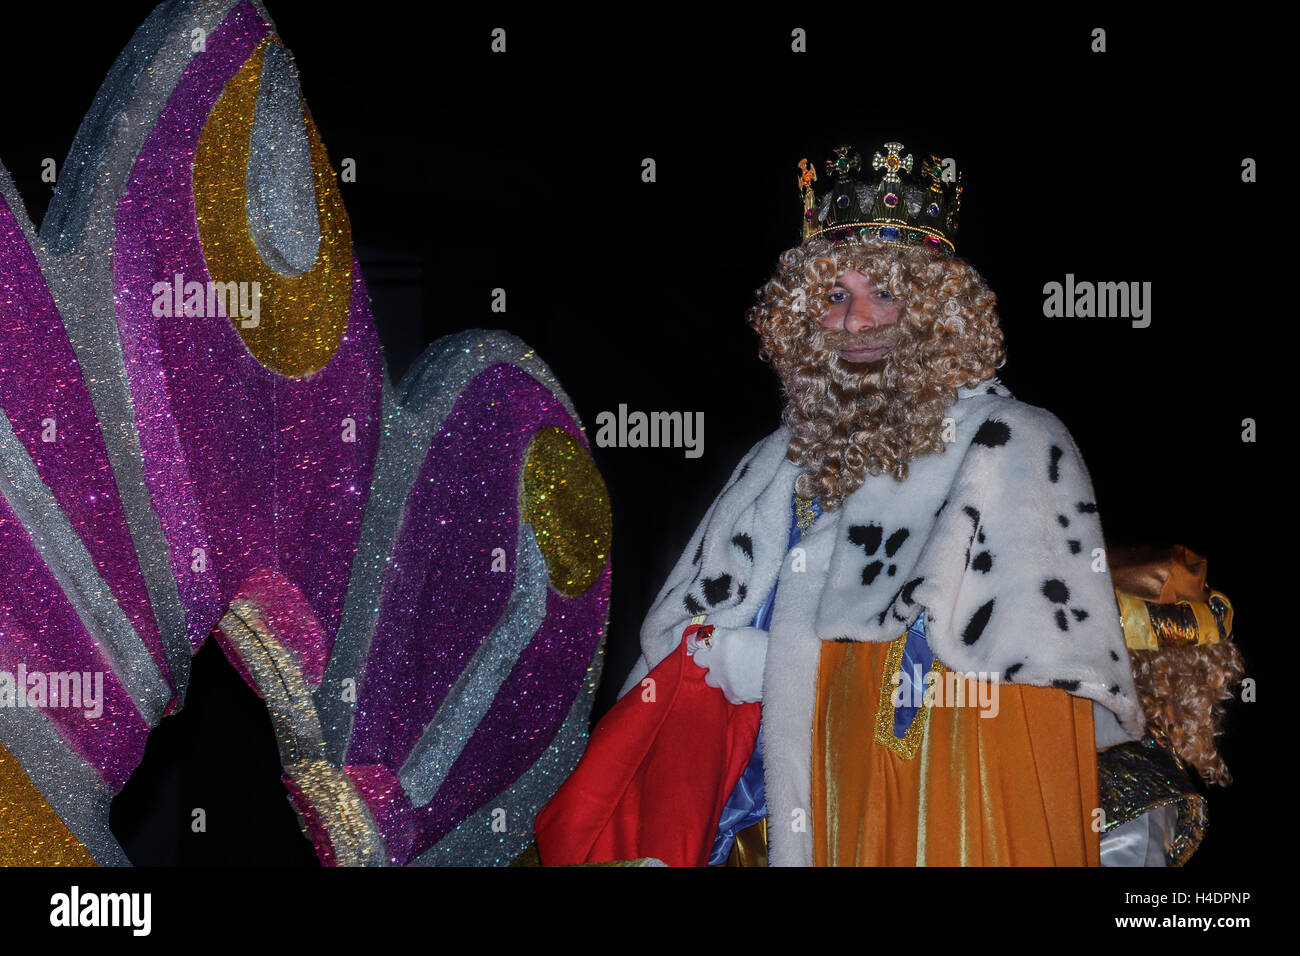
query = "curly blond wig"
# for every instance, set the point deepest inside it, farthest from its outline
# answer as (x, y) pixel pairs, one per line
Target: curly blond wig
(850, 421)
(1183, 691)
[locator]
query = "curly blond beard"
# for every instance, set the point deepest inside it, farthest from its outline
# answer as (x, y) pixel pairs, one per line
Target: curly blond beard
(849, 421)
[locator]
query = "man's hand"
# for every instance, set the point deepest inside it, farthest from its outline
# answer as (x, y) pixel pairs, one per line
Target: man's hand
(735, 662)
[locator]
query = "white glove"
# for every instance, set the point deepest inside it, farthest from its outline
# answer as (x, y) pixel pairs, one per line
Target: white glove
(735, 662)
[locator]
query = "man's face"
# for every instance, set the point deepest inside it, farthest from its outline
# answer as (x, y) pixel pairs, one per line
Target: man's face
(862, 317)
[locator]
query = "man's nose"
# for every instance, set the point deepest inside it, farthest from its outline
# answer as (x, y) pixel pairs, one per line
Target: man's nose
(863, 316)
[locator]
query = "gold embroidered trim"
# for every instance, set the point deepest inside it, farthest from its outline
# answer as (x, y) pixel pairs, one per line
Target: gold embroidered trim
(909, 744)
(804, 514)
(1142, 775)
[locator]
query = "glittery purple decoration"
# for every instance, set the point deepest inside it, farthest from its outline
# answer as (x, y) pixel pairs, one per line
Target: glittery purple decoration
(253, 468)
(240, 461)
(526, 712)
(435, 613)
(40, 379)
(525, 715)
(40, 632)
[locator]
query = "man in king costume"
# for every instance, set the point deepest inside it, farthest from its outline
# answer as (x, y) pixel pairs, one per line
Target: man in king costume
(909, 574)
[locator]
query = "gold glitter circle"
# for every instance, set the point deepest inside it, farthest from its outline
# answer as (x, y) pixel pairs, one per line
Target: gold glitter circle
(302, 318)
(565, 500)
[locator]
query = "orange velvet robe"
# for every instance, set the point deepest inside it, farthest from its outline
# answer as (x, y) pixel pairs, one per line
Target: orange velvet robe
(1016, 789)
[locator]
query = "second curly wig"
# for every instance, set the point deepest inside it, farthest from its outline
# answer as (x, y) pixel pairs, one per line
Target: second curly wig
(1184, 692)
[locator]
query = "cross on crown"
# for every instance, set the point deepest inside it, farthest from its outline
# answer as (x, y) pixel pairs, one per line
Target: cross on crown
(892, 162)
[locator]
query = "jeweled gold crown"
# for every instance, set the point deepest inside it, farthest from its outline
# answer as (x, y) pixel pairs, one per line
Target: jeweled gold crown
(888, 202)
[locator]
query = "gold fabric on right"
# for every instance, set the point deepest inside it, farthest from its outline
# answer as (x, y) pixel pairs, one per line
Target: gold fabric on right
(1015, 789)
(750, 846)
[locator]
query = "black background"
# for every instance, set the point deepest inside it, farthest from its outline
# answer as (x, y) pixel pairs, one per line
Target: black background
(523, 171)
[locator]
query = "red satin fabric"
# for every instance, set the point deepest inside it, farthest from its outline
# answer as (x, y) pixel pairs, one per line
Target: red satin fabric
(655, 776)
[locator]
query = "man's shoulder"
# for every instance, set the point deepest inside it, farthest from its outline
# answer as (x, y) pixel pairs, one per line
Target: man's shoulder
(767, 447)
(759, 466)
(998, 417)
(1009, 440)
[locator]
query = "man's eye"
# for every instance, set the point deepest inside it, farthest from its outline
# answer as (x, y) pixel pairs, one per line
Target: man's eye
(838, 296)
(885, 294)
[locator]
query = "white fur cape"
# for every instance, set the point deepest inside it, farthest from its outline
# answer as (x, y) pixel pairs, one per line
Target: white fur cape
(997, 539)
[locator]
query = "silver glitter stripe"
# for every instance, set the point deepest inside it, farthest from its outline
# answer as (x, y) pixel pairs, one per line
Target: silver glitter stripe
(121, 117)
(412, 416)
(76, 258)
(390, 483)
(474, 691)
(474, 842)
(70, 205)
(69, 785)
(282, 216)
(66, 556)
(117, 424)
(353, 835)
